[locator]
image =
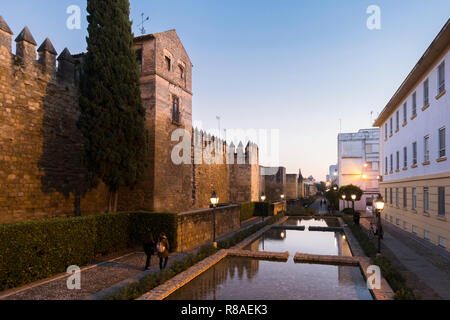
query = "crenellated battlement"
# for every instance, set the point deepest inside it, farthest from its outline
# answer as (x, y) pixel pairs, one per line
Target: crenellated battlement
(44, 61)
(210, 149)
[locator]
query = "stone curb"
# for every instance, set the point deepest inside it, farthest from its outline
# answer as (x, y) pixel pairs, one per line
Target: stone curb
(163, 291)
(260, 255)
(324, 259)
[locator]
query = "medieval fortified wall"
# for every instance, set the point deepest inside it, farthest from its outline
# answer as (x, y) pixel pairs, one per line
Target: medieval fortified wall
(40, 145)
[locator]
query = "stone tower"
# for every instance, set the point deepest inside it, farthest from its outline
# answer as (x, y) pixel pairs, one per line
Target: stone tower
(166, 89)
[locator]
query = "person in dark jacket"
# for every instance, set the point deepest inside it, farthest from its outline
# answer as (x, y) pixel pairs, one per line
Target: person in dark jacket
(163, 248)
(149, 248)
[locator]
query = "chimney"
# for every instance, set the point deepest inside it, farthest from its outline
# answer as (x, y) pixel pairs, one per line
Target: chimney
(66, 66)
(5, 35)
(47, 56)
(26, 46)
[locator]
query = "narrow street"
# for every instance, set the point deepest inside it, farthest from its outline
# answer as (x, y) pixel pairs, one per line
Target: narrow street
(321, 209)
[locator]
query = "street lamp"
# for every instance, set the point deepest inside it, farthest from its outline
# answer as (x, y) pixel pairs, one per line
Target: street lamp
(353, 202)
(214, 201)
(379, 205)
(343, 199)
(263, 199)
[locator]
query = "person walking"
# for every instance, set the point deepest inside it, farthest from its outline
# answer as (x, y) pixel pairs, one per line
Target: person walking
(149, 248)
(163, 250)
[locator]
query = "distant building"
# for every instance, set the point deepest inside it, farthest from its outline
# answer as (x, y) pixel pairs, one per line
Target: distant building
(333, 176)
(291, 186)
(301, 185)
(414, 128)
(310, 187)
(358, 164)
(273, 182)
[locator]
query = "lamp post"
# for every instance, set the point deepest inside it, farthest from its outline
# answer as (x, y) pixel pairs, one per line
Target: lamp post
(379, 205)
(214, 201)
(263, 199)
(353, 202)
(343, 199)
(284, 202)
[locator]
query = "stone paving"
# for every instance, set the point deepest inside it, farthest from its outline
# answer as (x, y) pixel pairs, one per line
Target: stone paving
(324, 259)
(425, 266)
(260, 255)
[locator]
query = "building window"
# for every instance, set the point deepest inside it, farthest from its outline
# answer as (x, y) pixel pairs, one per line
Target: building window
(398, 161)
(397, 198)
(397, 120)
(168, 63)
(414, 147)
(441, 201)
(426, 93)
(392, 126)
(175, 110)
(442, 242)
(139, 58)
(442, 142)
(414, 103)
(414, 198)
(397, 221)
(182, 75)
(386, 165)
(385, 195)
(391, 219)
(386, 130)
(414, 229)
(441, 78)
(405, 225)
(405, 157)
(426, 149)
(392, 162)
(426, 235)
(405, 197)
(405, 113)
(391, 198)
(426, 200)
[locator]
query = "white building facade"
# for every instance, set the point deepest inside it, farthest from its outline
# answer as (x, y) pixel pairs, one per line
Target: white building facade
(358, 164)
(414, 128)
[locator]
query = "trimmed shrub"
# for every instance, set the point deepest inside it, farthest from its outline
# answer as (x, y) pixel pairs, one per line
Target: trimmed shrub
(35, 250)
(247, 210)
(112, 232)
(262, 209)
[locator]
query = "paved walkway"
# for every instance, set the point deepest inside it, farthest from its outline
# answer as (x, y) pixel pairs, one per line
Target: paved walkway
(99, 278)
(321, 209)
(426, 267)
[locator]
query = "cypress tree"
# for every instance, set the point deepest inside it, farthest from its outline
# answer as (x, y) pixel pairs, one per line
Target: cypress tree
(112, 117)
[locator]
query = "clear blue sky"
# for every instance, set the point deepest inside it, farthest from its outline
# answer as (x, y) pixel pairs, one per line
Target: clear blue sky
(294, 65)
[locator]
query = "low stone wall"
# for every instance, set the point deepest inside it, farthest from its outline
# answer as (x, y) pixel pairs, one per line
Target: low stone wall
(278, 207)
(195, 228)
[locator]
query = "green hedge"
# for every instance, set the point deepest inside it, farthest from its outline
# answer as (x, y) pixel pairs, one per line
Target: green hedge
(262, 209)
(35, 250)
(247, 210)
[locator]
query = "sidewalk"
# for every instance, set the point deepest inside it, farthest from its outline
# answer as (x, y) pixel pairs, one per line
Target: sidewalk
(425, 266)
(100, 278)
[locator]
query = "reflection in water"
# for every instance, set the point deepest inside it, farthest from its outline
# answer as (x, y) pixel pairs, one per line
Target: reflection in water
(312, 242)
(266, 280)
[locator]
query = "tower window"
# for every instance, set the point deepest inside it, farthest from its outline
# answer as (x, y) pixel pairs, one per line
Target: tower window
(168, 63)
(175, 110)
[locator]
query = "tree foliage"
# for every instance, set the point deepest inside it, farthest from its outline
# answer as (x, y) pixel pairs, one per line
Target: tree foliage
(112, 116)
(350, 190)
